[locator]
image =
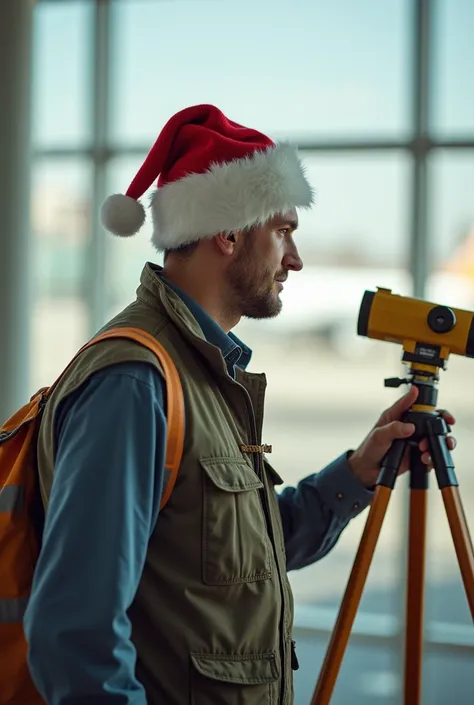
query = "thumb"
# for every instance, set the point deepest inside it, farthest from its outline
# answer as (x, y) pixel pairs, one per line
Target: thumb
(402, 404)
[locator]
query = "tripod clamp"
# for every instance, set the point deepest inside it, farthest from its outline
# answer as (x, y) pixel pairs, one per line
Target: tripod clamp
(428, 424)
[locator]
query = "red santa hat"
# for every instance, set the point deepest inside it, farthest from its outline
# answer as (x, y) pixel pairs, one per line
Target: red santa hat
(213, 175)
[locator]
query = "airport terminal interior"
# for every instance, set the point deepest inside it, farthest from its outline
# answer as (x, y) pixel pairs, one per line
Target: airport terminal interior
(379, 98)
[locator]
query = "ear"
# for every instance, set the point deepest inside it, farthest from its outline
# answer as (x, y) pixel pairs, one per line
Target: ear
(227, 242)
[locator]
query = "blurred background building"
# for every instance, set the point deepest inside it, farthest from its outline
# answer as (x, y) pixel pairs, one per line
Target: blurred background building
(379, 95)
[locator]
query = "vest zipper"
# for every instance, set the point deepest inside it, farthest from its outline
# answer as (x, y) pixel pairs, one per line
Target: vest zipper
(294, 658)
(258, 465)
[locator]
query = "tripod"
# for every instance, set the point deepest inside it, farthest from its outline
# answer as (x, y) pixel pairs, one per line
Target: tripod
(430, 425)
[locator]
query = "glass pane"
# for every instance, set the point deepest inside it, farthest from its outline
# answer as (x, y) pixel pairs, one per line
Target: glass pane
(325, 384)
(61, 224)
(453, 52)
(316, 69)
(452, 212)
(448, 678)
(368, 674)
(126, 256)
(61, 73)
(452, 219)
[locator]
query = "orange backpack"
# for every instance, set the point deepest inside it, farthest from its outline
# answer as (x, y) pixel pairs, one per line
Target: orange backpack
(20, 538)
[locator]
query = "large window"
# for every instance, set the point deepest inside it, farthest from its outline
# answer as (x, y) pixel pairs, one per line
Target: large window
(378, 96)
(62, 69)
(286, 66)
(453, 58)
(61, 216)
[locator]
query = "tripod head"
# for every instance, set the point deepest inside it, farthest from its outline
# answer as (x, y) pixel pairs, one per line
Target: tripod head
(425, 378)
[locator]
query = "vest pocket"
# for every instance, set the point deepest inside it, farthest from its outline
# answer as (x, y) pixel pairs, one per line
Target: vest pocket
(246, 679)
(235, 543)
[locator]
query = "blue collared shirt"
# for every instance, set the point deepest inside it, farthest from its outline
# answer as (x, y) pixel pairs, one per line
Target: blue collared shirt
(104, 504)
(234, 351)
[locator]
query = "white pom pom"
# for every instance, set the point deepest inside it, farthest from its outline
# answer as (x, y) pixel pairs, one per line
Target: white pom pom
(122, 215)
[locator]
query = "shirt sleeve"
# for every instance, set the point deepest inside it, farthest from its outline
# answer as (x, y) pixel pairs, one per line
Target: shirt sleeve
(104, 503)
(315, 513)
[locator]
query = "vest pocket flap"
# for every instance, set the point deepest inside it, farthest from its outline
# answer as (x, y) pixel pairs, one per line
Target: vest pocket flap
(230, 475)
(246, 669)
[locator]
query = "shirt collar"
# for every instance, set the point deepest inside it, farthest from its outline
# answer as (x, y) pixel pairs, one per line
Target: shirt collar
(234, 351)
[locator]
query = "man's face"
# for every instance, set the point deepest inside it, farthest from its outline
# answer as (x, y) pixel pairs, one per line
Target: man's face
(262, 263)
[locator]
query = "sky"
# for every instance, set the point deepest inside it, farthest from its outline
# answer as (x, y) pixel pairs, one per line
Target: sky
(296, 69)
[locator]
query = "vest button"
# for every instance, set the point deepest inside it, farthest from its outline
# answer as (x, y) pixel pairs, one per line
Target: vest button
(339, 495)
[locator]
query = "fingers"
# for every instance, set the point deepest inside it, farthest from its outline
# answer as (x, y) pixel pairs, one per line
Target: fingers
(447, 416)
(451, 440)
(425, 454)
(426, 457)
(391, 428)
(385, 435)
(426, 460)
(395, 411)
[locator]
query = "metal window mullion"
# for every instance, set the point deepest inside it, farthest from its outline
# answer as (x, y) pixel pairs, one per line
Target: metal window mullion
(305, 145)
(96, 256)
(16, 262)
(420, 259)
(418, 247)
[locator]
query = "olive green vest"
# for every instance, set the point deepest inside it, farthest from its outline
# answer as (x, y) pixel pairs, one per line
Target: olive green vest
(212, 618)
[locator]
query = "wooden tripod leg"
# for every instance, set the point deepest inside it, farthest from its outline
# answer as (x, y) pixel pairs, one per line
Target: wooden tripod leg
(360, 569)
(416, 579)
(448, 484)
(462, 540)
(350, 603)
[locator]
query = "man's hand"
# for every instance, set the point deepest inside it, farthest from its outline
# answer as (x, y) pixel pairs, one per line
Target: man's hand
(365, 461)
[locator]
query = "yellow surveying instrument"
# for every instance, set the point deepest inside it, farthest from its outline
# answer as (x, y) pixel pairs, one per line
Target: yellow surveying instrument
(429, 334)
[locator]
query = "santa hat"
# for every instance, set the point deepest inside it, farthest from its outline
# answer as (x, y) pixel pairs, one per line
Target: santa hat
(213, 175)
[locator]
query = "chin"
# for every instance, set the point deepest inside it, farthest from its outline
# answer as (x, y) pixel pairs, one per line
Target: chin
(263, 307)
(275, 308)
(262, 313)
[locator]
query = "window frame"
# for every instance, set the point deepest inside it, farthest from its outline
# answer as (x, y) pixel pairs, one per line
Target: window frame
(308, 620)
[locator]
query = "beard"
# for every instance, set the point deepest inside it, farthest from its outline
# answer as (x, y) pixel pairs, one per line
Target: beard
(253, 287)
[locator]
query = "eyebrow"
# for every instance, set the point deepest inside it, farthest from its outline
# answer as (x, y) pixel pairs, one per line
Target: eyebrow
(293, 224)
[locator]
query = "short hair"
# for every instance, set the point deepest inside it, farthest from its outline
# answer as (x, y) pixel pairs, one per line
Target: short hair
(186, 251)
(183, 250)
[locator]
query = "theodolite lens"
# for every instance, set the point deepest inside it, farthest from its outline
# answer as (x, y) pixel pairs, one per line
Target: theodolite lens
(441, 319)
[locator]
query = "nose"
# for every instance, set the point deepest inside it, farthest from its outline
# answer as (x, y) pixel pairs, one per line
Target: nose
(292, 260)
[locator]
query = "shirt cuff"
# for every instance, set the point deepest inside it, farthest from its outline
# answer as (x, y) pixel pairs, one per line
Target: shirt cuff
(341, 490)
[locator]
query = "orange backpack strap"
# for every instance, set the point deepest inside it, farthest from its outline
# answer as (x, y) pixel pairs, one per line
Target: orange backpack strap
(174, 398)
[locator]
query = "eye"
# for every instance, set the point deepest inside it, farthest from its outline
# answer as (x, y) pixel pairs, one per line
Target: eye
(284, 231)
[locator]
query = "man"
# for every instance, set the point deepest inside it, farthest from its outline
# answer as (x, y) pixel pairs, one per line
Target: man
(190, 605)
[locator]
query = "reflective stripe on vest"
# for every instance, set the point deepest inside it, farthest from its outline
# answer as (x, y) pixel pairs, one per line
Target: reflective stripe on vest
(13, 609)
(12, 498)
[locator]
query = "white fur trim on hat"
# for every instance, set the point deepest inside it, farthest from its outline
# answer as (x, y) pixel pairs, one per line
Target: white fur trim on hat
(122, 215)
(229, 196)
